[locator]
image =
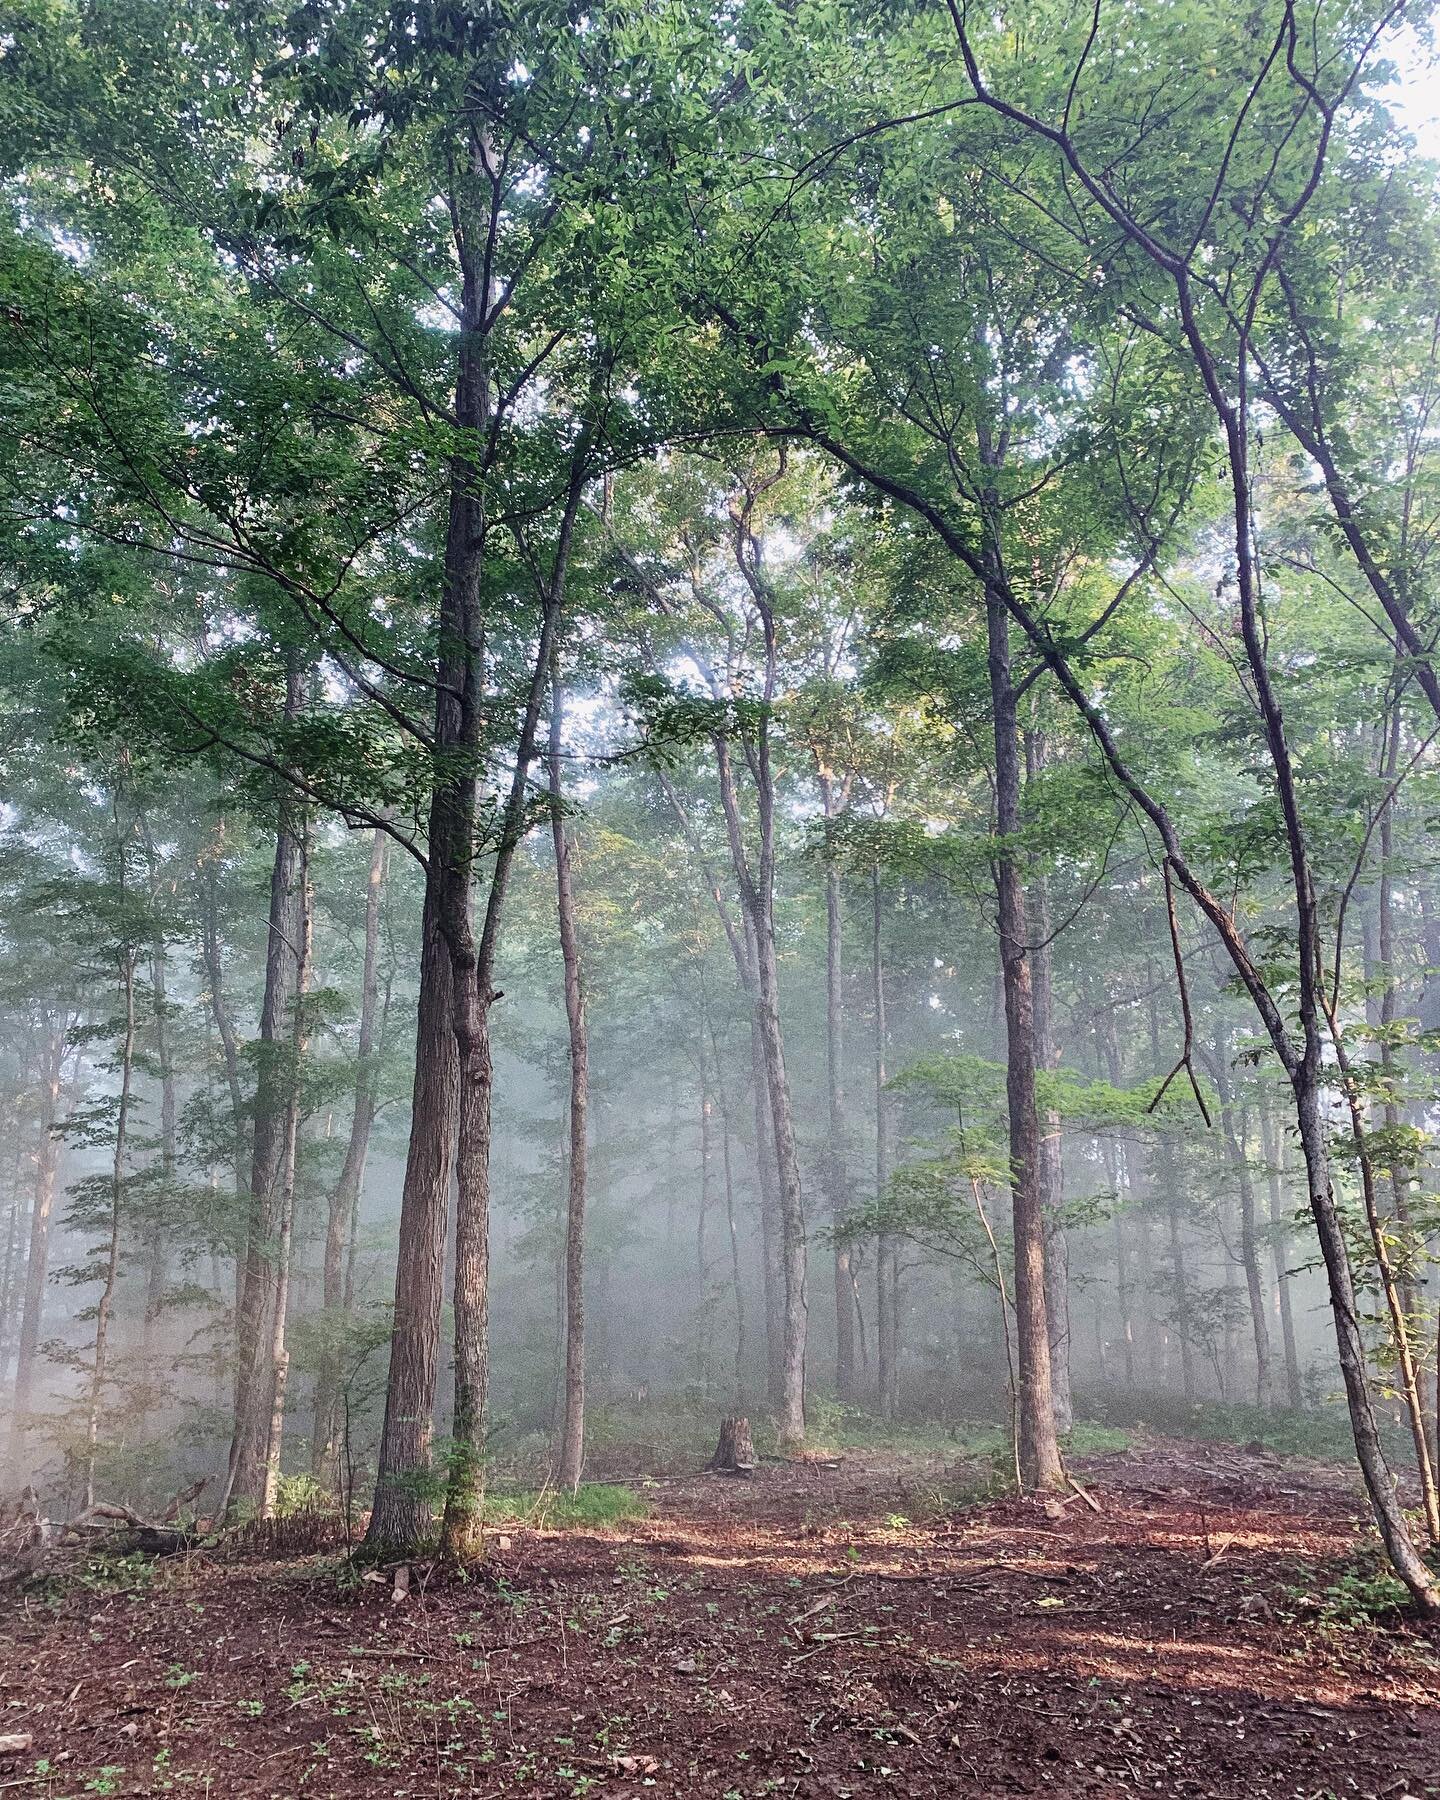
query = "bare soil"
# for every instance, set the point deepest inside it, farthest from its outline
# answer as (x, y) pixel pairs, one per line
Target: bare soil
(808, 1632)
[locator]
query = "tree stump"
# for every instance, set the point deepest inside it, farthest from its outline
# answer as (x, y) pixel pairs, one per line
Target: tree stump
(734, 1454)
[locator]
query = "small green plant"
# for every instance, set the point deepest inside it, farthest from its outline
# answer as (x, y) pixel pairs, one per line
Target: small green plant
(1357, 1599)
(298, 1494)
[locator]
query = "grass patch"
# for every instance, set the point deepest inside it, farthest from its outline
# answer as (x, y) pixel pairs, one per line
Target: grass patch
(1088, 1437)
(593, 1506)
(851, 1428)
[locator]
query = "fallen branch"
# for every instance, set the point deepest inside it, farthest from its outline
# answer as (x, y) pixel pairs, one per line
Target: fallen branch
(1088, 1498)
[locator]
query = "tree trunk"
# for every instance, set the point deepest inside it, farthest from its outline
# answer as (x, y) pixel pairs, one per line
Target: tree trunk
(345, 1195)
(1237, 1151)
(245, 1478)
(757, 891)
(886, 1324)
(9, 1278)
(401, 1515)
(572, 1429)
(1040, 1466)
(837, 1155)
(769, 1218)
(117, 1195)
(474, 996)
(1273, 1141)
(47, 1161)
(157, 1262)
(279, 1351)
(451, 1091)
(1050, 1165)
(702, 1263)
(792, 1214)
(1117, 1171)
(736, 1282)
(735, 1453)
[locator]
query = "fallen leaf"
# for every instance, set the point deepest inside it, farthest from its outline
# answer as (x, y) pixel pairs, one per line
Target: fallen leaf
(637, 1765)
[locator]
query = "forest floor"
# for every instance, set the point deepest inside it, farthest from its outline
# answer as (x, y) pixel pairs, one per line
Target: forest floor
(812, 1631)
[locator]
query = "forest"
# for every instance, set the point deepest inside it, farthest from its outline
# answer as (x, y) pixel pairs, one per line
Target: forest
(719, 898)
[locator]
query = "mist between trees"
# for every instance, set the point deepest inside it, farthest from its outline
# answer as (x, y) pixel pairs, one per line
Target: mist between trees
(728, 708)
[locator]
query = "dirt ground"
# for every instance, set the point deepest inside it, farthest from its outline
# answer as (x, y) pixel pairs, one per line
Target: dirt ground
(810, 1632)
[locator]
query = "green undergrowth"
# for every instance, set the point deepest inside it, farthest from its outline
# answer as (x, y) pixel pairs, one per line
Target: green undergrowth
(593, 1506)
(1322, 1432)
(841, 1428)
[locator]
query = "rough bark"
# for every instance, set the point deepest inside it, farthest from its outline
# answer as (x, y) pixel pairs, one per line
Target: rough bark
(401, 1515)
(451, 1091)
(735, 1452)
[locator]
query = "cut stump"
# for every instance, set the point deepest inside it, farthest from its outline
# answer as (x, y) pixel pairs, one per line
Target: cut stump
(735, 1453)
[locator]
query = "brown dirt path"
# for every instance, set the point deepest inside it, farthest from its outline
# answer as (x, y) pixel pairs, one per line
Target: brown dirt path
(798, 1635)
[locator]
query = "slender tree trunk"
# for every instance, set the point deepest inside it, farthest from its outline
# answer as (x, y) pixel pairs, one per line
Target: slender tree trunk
(1117, 1172)
(106, 1302)
(769, 1218)
(47, 1162)
(10, 1278)
(1040, 1465)
(1180, 1304)
(1237, 1151)
(1411, 1253)
(345, 1195)
(736, 1281)
(757, 890)
(1050, 1165)
(245, 1478)
(792, 1215)
(1273, 1142)
(1401, 1340)
(886, 1332)
(572, 1429)
(758, 893)
(702, 1265)
(475, 994)
(157, 1261)
(279, 1349)
(1250, 1256)
(401, 1515)
(837, 1153)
